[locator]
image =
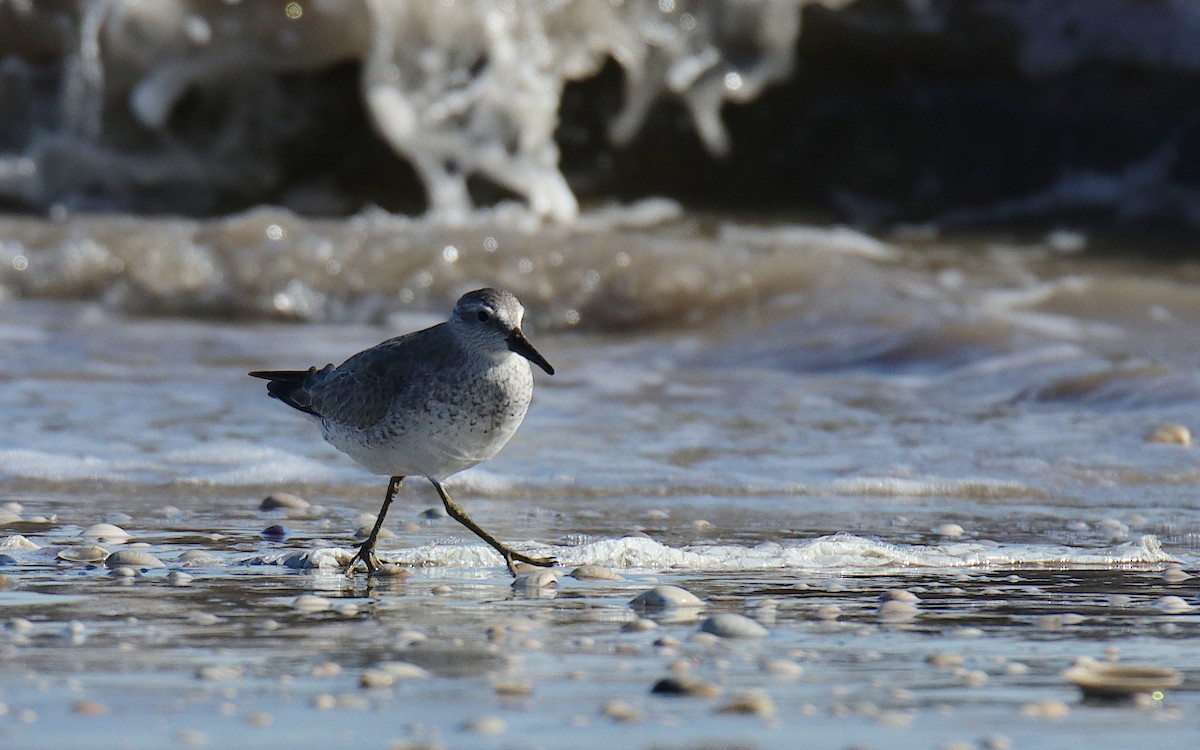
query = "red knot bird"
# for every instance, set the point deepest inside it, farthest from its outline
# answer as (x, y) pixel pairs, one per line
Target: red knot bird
(429, 403)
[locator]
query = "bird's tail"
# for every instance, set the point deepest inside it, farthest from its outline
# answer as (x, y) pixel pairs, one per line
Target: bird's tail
(288, 386)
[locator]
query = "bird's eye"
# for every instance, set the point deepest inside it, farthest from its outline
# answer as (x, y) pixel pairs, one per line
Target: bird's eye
(483, 316)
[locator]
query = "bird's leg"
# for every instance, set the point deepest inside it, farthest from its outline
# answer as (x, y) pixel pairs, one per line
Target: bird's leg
(366, 550)
(458, 514)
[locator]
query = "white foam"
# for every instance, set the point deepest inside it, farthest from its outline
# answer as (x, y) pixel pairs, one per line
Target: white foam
(836, 553)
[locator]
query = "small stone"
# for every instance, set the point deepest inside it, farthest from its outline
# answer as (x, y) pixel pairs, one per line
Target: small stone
(124, 571)
(311, 603)
(1175, 574)
(283, 501)
(538, 579)
(1172, 605)
(260, 719)
(665, 597)
(1048, 709)
(656, 515)
(435, 512)
(324, 702)
(639, 625)
(105, 533)
(900, 595)
(621, 711)
(514, 688)
(327, 669)
(1171, 433)
(488, 724)
(751, 702)
(732, 625)
(401, 670)
(685, 686)
(595, 573)
(88, 708)
(945, 660)
(133, 558)
(949, 530)
(782, 667)
(996, 742)
(176, 578)
(276, 532)
(220, 672)
(392, 570)
(82, 553)
(700, 525)
(829, 612)
(898, 611)
(197, 557)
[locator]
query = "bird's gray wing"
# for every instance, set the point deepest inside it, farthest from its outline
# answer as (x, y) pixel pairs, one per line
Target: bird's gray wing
(360, 391)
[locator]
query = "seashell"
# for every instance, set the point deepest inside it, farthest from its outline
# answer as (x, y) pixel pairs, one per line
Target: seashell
(133, 558)
(82, 553)
(1120, 681)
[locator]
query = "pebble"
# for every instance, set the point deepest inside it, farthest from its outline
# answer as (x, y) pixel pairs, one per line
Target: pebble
(124, 571)
(899, 595)
(895, 610)
(311, 603)
(220, 672)
(176, 578)
(538, 579)
(436, 511)
(105, 533)
(1175, 574)
(514, 688)
(88, 708)
(276, 532)
(392, 570)
(84, 553)
(488, 724)
(782, 667)
(640, 625)
(260, 719)
(194, 557)
(949, 530)
(621, 711)
(685, 686)
(1172, 604)
(665, 597)
(133, 558)
(1171, 433)
(732, 625)
(829, 612)
(1049, 709)
(595, 573)
(996, 742)
(283, 500)
(945, 660)
(751, 702)
(327, 669)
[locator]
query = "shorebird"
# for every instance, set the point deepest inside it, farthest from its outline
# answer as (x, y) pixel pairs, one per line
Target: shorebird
(429, 403)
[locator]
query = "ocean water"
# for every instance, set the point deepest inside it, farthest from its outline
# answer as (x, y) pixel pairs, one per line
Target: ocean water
(790, 422)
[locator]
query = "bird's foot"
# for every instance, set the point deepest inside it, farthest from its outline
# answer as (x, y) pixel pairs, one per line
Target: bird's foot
(366, 553)
(512, 556)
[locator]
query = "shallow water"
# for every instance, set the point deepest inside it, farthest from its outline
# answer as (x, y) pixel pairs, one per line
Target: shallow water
(777, 419)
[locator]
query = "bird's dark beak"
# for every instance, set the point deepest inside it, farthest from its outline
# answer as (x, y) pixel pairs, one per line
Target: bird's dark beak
(519, 344)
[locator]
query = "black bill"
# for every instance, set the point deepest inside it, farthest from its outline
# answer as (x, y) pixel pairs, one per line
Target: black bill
(519, 344)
